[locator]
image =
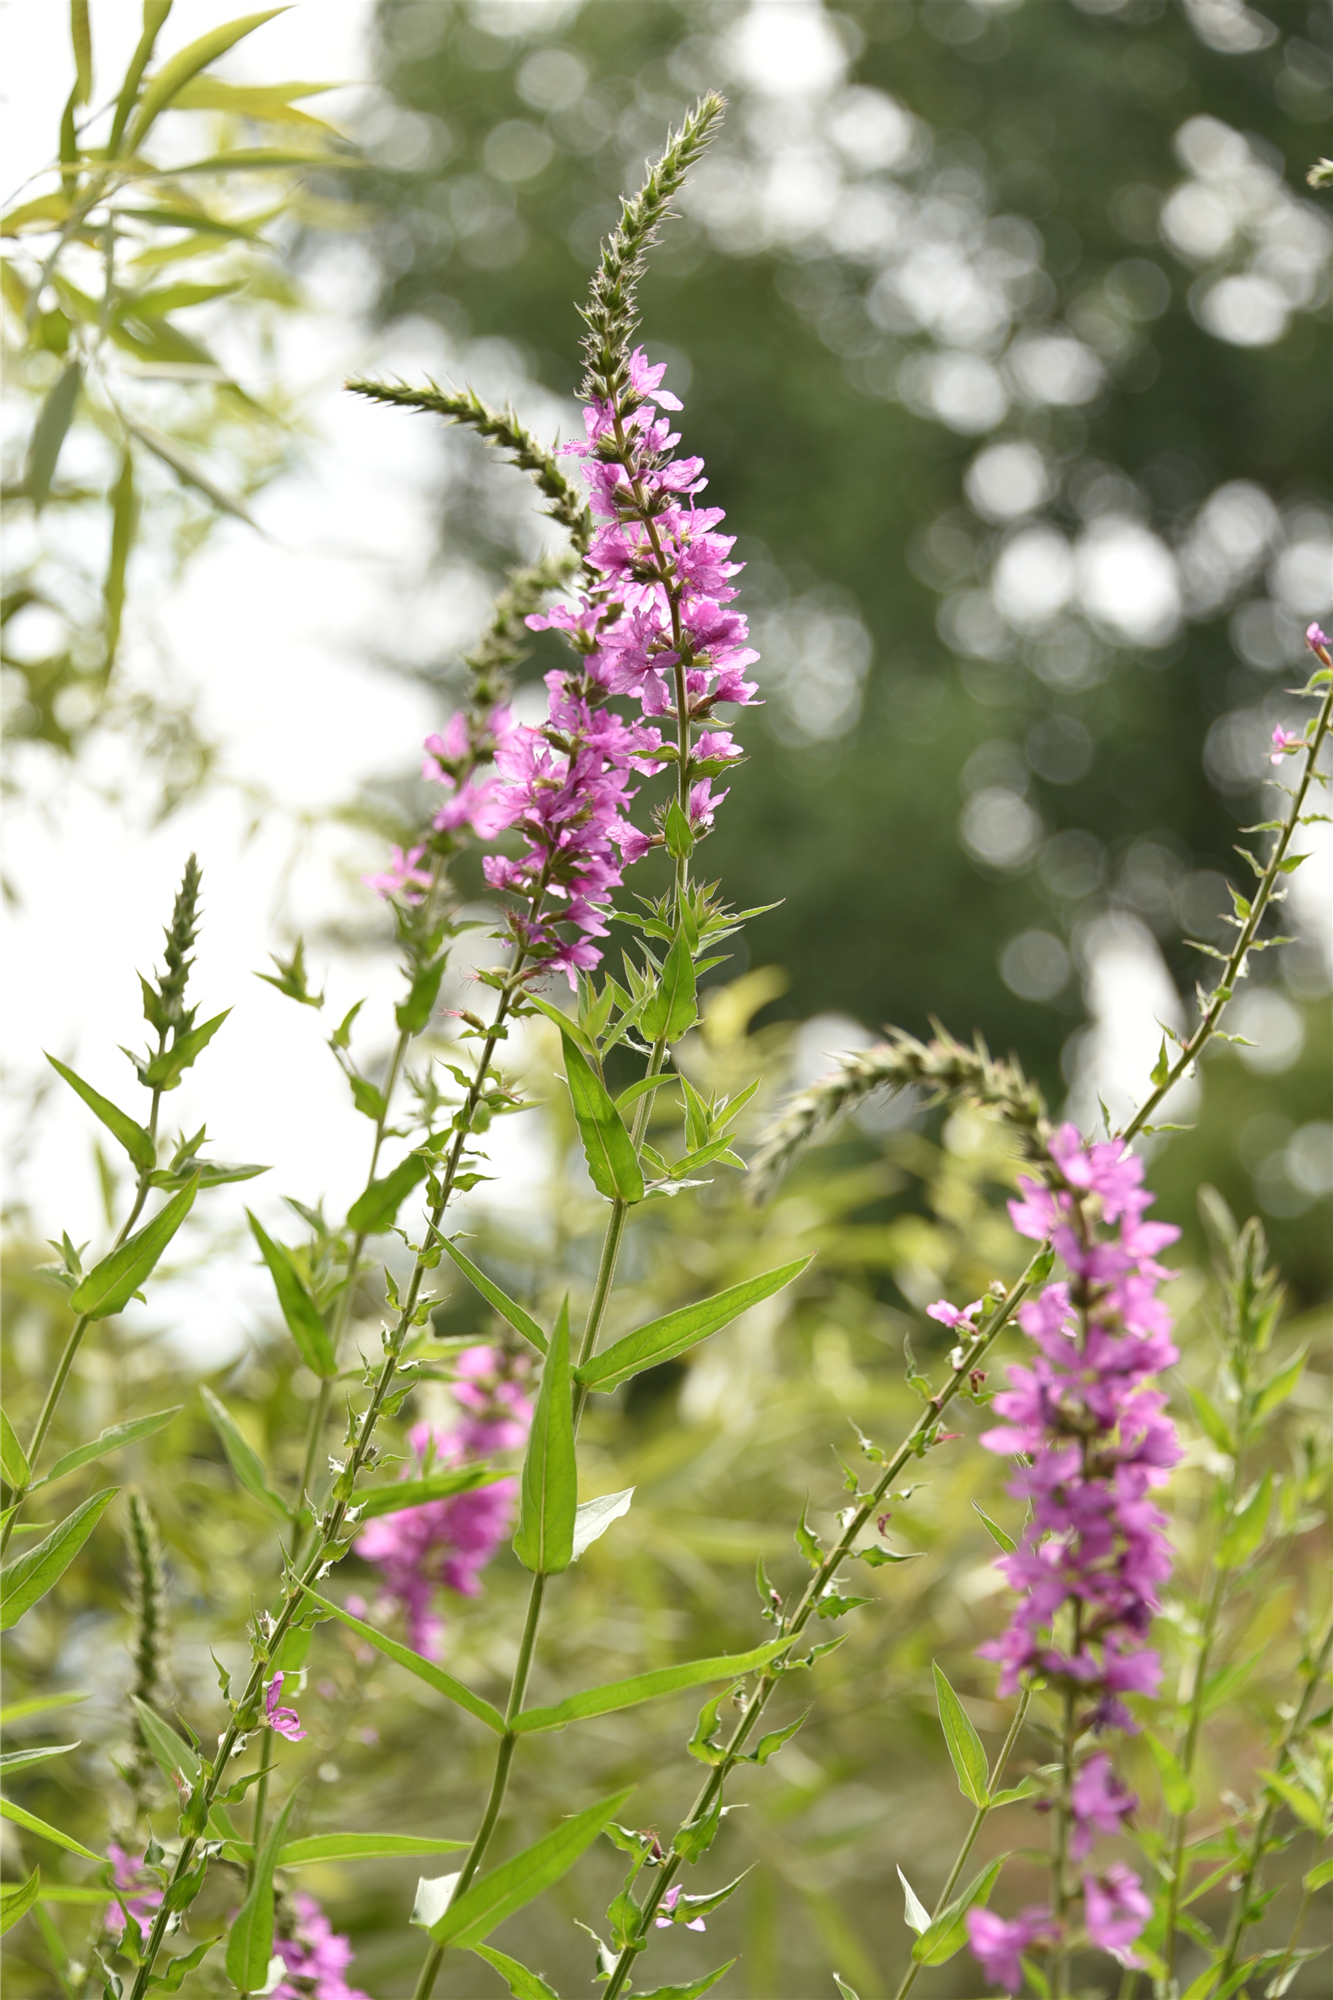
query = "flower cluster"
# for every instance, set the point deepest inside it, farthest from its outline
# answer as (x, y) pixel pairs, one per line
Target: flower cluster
(655, 622)
(315, 1955)
(1093, 1441)
(450, 1541)
(140, 1891)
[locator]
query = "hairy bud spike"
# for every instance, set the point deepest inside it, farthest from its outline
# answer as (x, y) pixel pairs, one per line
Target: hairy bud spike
(148, 1602)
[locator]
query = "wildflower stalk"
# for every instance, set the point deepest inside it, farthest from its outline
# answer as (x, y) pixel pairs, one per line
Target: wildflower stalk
(979, 1818)
(171, 1019)
(1062, 1826)
(148, 1602)
(1250, 914)
(1315, 1668)
(793, 1626)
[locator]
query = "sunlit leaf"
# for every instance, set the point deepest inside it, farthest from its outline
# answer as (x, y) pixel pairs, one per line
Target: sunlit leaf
(544, 1538)
(32, 1574)
(482, 1908)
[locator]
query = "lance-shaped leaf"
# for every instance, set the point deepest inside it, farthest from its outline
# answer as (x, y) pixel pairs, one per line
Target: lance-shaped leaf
(164, 1072)
(377, 1208)
(544, 1538)
(413, 1013)
(32, 1574)
(13, 1459)
(110, 1285)
(594, 1517)
(299, 1310)
(174, 1757)
(137, 1142)
(646, 1687)
(37, 1704)
(124, 513)
(1178, 1793)
(521, 1321)
(1281, 1386)
(523, 1985)
(915, 1914)
(18, 1760)
(671, 1009)
(996, 1533)
(470, 1919)
(664, 1338)
(250, 1944)
(31, 1824)
(112, 1439)
(348, 1847)
(947, 1933)
(425, 1670)
(694, 1991)
(1247, 1527)
(48, 434)
(18, 1900)
(189, 471)
(242, 1457)
(612, 1161)
(174, 74)
(376, 1500)
(969, 1759)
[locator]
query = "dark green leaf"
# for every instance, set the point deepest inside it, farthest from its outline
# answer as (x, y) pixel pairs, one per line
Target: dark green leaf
(32, 1574)
(413, 1013)
(376, 1500)
(612, 1161)
(250, 1941)
(693, 1991)
(111, 1439)
(110, 1285)
(177, 1969)
(664, 1338)
(646, 1687)
(242, 1457)
(48, 433)
(19, 1899)
(424, 1670)
(969, 1759)
(498, 1895)
(521, 1321)
(164, 1072)
(377, 1208)
(13, 1460)
(996, 1533)
(30, 1822)
(523, 1985)
(137, 1142)
(544, 1538)
(678, 832)
(302, 1315)
(672, 1009)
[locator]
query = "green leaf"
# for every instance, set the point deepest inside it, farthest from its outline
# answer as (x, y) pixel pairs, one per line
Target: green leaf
(1246, 1528)
(1024, 1789)
(348, 1847)
(174, 1757)
(425, 1670)
(996, 1533)
(672, 1008)
(523, 1985)
(693, 1991)
(242, 1457)
(13, 1459)
(164, 1072)
(110, 1285)
(662, 1339)
(173, 1977)
(1212, 1423)
(1177, 1791)
(111, 1439)
(969, 1759)
(634, 1091)
(38, 1704)
(48, 434)
(1306, 1807)
(1281, 1386)
(607, 1146)
(124, 515)
(1320, 1877)
(413, 1013)
(508, 1888)
(31, 1824)
(299, 1310)
(521, 1321)
(191, 473)
(271, 102)
(615, 1695)
(678, 832)
(915, 1914)
(847, 1992)
(391, 1499)
(81, 40)
(19, 1900)
(769, 1745)
(947, 1933)
(174, 74)
(250, 1941)
(17, 1760)
(154, 14)
(31, 1575)
(593, 1517)
(1222, 1687)
(376, 1210)
(701, 1744)
(137, 1142)
(544, 1538)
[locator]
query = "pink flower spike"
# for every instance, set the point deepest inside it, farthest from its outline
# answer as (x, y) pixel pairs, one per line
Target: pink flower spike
(285, 1721)
(1316, 639)
(669, 1902)
(1285, 741)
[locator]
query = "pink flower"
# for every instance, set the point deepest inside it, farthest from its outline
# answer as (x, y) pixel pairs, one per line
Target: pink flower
(140, 1891)
(404, 877)
(316, 1957)
(1316, 640)
(669, 1902)
(1285, 741)
(998, 1943)
(1115, 1910)
(954, 1316)
(285, 1721)
(1099, 1803)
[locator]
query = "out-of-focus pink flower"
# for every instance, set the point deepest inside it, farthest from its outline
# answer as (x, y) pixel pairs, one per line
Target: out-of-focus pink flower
(285, 1721)
(1115, 1910)
(1316, 639)
(316, 1957)
(998, 1943)
(404, 876)
(1285, 741)
(140, 1891)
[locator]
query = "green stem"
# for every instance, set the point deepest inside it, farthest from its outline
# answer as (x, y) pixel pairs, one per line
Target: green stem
(978, 1821)
(794, 1626)
(1060, 1841)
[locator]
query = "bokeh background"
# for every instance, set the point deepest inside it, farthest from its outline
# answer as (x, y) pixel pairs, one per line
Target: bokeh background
(1003, 330)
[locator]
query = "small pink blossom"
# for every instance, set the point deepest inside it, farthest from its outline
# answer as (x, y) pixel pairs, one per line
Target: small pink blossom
(1316, 639)
(1115, 1910)
(285, 1721)
(669, 1902)
(955, 1316)
(1285, 741)
(404, 876)
(139, 1889)
(998, 1943)
(316, 1957)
